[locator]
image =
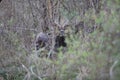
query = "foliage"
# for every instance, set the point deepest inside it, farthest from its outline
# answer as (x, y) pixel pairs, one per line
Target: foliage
(89, 55)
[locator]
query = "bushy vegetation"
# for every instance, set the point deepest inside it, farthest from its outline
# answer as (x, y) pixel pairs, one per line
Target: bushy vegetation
(94, 56)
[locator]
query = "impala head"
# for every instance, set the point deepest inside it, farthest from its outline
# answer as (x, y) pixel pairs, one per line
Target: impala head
(61, 26)
(60, 36)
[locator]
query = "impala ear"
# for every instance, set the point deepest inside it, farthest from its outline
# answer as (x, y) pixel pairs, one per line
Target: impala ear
(66, 26)
(54, 24)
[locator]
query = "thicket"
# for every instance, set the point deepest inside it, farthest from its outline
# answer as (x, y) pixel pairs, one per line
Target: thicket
(89, 56)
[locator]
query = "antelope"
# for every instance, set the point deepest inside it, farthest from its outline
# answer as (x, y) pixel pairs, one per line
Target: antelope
(60, 37)
(41, 40)
(45, 40)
